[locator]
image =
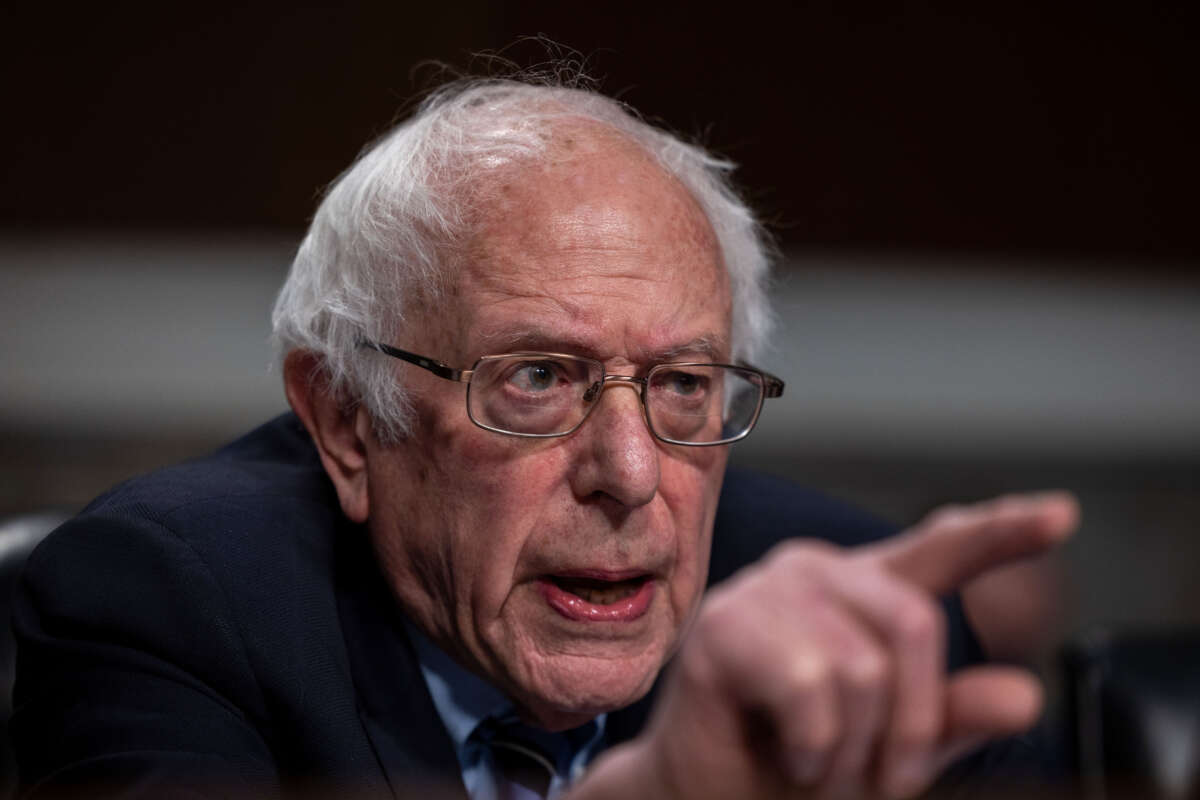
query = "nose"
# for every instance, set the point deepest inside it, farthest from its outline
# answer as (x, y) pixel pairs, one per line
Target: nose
(618, 455)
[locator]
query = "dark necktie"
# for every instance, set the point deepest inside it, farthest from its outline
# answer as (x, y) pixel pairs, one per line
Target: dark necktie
(524, 769)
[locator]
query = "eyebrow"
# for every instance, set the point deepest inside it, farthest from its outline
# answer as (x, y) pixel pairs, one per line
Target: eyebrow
(709, 345)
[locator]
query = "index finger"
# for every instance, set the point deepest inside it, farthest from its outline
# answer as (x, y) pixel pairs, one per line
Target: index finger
(953, 545)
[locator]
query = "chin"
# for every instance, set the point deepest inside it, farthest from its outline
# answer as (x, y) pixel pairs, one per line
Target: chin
(569, 690)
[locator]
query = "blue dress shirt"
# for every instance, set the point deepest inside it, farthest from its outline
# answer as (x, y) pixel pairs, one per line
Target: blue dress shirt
(470, 708)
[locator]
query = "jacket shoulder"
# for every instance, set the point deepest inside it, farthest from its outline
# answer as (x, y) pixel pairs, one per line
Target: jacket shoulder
(207, 588)
(756, 511)
(271, 467)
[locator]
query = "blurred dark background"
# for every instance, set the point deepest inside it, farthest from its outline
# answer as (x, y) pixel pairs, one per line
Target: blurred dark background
(1055, 128)
(986, 212)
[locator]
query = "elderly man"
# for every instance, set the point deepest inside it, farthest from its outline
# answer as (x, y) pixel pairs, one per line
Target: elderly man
(517, 339)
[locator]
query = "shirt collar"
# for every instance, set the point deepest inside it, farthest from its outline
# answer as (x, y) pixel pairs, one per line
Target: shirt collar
(463, 700)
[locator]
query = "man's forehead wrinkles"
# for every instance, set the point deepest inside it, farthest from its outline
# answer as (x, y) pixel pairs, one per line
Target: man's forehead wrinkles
(492, 309)
(565, 269)
(605, 229)
(573, 296)
(608, 234)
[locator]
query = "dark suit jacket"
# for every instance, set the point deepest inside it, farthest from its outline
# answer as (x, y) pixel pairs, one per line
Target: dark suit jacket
(219, 623)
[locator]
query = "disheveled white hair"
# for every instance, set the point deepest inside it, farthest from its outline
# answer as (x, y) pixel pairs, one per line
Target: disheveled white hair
(383, 238)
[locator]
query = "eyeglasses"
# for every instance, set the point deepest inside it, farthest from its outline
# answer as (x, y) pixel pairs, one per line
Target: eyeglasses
(543, 395)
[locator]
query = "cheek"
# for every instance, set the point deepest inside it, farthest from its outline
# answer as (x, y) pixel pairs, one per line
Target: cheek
(495, 482)
(690, 487)
(496, 491)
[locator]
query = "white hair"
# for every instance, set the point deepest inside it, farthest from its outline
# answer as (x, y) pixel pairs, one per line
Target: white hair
(383, 238)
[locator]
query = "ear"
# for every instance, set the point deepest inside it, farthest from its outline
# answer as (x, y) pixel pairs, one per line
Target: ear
(339, 433)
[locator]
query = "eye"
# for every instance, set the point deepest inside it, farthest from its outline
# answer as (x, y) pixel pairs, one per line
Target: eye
(682, 383)
(535, 377)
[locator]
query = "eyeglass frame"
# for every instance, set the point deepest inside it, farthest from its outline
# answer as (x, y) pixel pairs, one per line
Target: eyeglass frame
(771, 387)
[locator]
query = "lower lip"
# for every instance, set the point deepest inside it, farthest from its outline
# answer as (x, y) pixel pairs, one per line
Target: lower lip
(574, 607)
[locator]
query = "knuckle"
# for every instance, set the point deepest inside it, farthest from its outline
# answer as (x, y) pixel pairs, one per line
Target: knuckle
(718, 625)
(867, 672)
(720, 608)
(918, 623)
(708, 630)
(808, 672)
(805, 704)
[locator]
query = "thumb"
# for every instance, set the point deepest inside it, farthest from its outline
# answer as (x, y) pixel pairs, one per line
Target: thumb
(984, 703)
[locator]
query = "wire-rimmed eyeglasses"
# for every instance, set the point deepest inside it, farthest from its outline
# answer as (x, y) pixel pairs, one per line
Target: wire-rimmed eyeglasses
(544, 395)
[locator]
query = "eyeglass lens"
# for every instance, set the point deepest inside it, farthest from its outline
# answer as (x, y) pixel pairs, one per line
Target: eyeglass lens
(547, 395)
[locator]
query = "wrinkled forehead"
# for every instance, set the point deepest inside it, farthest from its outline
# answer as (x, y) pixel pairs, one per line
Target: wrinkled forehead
(596, 237)
(585, 163)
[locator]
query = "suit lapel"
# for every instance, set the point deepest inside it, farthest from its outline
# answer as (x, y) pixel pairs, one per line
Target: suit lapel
(397, 713)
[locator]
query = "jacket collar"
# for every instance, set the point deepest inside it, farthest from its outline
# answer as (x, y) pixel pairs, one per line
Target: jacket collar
(399, 717)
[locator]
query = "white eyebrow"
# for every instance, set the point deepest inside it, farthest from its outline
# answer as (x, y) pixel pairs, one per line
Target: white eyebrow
(708, 345)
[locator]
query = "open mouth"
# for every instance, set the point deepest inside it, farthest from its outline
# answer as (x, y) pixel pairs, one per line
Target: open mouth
(599, 592)
(586, 598)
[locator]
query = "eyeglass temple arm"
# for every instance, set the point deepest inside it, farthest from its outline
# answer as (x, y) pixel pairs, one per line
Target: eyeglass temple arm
(772, 386)
(436, 367)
